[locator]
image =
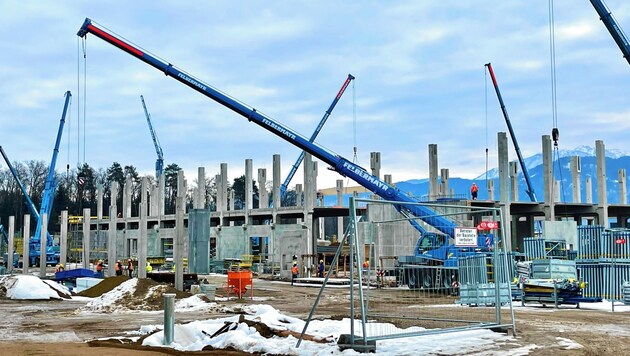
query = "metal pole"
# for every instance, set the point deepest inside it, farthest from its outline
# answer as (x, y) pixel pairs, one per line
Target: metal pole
(169, 319)
(351, 247)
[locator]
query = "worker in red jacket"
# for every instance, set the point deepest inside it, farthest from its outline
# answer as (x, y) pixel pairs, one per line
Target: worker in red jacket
(130, 267)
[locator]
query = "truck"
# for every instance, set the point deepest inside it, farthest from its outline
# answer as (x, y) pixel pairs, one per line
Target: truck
(434, 249)
(48, 197)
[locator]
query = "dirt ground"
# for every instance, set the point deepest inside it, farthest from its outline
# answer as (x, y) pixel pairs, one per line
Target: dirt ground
(53, 327)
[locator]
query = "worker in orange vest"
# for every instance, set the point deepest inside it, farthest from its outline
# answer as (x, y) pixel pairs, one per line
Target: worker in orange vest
(130, 267)
(294, 272)
(118, 268)
(473, 191)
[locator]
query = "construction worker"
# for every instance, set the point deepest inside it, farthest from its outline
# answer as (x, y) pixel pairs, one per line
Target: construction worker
(118, 267)
(149, 268)
(130, 267)
(294, 272)
(59, 268)
(99, 269)
(320, 269)
(366, 265)
(473, 191)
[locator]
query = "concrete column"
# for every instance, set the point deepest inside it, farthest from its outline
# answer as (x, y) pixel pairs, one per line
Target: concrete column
(623, 197)
(10, 246)
(224, 187)
(309, 203)
(491, 190)
(433, 171)
(602, 198)
(42, 245)
(339, 203)
(503, 167)
(25, 244)
(388, 179)
(128, 192)
(63, 243)
(143, 238)
(111, 233)
(153, 196)
(576, 168)
(276, 182)
(504, 189)
(548, 178)
(514, 180)
(200, 198)
(298, 194)
(444, 175)
(99, 202)
(589, 190)
(556, 191)
(249, 185)
(86, 238)
(160, 197)
(231, 204)
(263, 195)
(318, 201)
(180, 233)
(375, 164)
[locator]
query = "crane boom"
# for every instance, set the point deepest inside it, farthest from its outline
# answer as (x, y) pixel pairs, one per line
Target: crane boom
(530, 188)
(159, 163)
(294, 168)
(615, 31)
(340, 164)
(30, 204)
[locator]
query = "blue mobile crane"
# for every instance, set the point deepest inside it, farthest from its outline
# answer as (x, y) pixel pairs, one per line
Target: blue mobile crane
(294, 168)
(159, 163)
(433, 248)
(615, 31)
(47, 198)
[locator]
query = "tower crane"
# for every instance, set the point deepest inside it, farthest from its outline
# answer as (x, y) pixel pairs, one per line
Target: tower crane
(159, 163)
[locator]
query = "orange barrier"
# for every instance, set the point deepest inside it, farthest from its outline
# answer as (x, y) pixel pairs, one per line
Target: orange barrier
(238, 282)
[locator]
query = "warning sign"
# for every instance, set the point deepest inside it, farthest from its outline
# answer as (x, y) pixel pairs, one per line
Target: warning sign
(465, 237)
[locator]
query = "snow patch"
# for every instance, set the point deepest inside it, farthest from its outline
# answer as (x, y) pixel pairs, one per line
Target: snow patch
(30, 287)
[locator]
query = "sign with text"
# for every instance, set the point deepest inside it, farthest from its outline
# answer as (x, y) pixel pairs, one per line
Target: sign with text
(465, 237)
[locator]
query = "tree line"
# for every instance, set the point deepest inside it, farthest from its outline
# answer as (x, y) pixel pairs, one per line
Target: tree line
(77, 189)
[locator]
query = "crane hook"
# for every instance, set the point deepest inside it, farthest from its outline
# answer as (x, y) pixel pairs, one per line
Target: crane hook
(555, 135)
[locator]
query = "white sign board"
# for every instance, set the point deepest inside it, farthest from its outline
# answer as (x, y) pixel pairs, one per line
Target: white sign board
(465, 237)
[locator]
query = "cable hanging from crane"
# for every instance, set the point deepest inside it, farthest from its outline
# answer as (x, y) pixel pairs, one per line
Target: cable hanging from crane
(555, 132)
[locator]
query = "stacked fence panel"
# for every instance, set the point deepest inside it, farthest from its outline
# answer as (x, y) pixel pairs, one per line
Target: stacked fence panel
(534, 248)
(603, 261)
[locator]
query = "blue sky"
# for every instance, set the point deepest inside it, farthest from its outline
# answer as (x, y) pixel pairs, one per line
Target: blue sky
(419, 69)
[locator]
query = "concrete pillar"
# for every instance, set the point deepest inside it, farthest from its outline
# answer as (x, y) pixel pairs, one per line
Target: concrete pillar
(276, 182)
(231, 203)
(86, 238)
(339, 203)
(319, 200)
(623, 197)
(99, 202)
(504, 189)
(10, 245)
(514, 180)
(249, 186)
(502, 146)
(556, 191)
(375, 164)
(388, 179)
(143, 238)
(63, 239)
(200, 198)
(589, 190)
(433, 171)
(548, 178)
(263, 195)
(576, 168)
(444, 175)
(491, 190)
(128, 192)
(224, 187)
(111, 233)
(298, 195)
(309, 203)
(180, 233)
(42, 245)
(160, 197)
(602, 198)
(25, 244)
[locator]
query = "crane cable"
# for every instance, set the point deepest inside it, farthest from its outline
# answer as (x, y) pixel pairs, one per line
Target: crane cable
(355, 157)
(555, 133)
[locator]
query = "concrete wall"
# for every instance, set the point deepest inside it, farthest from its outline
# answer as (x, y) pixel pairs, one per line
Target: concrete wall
(567, 230)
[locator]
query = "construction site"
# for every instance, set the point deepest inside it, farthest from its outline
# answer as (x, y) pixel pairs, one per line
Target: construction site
(172, 264)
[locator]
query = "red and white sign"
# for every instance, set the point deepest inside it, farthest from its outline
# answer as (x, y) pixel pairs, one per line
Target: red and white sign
(488, 225)
(620, 241)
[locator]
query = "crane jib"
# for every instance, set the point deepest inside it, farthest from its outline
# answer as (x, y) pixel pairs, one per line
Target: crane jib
(365, 175)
